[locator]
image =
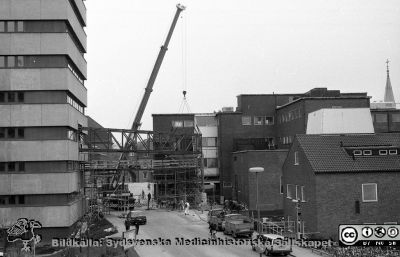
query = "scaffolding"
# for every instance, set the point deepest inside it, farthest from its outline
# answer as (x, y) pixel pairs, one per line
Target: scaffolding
(175, 159)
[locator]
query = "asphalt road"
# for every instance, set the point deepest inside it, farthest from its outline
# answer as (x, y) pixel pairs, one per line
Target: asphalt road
(166, 226)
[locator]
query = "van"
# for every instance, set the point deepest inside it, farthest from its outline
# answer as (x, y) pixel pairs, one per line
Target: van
(273, 244)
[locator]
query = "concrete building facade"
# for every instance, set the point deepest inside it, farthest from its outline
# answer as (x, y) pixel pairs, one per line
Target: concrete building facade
(42, 105)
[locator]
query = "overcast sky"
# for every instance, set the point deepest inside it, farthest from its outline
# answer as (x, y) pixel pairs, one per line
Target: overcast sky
(223, 48)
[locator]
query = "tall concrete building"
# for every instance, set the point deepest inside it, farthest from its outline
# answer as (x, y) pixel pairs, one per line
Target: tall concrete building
(42, 104)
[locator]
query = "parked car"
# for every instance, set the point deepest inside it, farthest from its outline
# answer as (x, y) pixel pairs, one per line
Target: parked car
(239, 225)
(226, 217)
(214, 212)
(272, 244)
(136, 217)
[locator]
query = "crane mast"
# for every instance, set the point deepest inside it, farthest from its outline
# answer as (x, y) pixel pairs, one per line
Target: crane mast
(149, 88)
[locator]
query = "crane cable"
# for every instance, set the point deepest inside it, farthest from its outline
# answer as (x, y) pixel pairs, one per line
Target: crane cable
(184, 103)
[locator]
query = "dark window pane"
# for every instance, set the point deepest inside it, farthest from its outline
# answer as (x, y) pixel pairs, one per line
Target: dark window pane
(3, 200)
(2, 166)
(11, 166)
(11, 97)
(2, 62)
(10, 61)
(381, 118)
(21, 166)
(2, 98)
(21, 132)
(21, 97)
(2, 26)
(11, 200)
(11, 133)
(2, 132)
(10, 26)
(21, 199)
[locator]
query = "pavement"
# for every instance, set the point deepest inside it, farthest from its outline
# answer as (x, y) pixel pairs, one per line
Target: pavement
(172, 233)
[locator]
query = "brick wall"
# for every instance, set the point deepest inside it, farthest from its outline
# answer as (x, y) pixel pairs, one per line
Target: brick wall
(337, 193)
(270, 199)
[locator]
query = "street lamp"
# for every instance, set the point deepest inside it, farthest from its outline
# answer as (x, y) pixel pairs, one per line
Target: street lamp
(257, 170)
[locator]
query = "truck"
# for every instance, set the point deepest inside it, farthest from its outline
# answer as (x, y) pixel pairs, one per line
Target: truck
(239, 225)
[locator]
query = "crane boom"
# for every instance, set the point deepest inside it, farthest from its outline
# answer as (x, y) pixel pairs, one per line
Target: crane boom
(149, 88)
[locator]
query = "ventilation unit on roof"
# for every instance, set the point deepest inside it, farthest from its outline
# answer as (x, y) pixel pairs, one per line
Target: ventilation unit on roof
(227, 109)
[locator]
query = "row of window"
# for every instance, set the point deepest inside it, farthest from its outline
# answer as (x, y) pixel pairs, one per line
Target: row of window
(295, 192)
(258, 120)
(286, 140)
(289, 116)
(370, 152)
(12, 199)
(182, 123)
(206, 121)
(12, 97)
(39, 61)
(12, 166)
(42, 26)
(75, 104)
(208, 141)
(383, 117)
(10, 133)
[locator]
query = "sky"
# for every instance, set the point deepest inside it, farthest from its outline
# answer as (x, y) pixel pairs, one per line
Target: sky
(224, 48)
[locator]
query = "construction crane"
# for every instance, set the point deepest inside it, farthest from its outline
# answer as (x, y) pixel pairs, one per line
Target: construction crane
(149, 88)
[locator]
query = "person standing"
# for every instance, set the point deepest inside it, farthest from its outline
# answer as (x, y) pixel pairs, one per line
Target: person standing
(127, 225)
(187, 205)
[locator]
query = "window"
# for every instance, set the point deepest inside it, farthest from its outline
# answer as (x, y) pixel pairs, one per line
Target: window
(209, 141)
(144, 174)
(10, 26)
(258, 120)
(2, 26)
(177, 124)
(298, 192)
(11, 166)
(20, 61)
(11, 133)
(210, 162)
(2, 62)
(11, 61)
(2, 166)
(188, 123)
(21, 166)
(269, 120)
(296, 158)
(71, 135)
(21, 132)
(367, 152)
(383, 152)
(393, 152)
(2, 132)
(246, 120)
(369, 192)
(11, 97)
(396, 117)
(357, 152)
(20, 26)
(21, 97)
(289, 191)
(303, 194)
(380, 118)
(206, 121)
(11, 200)
(227, 184)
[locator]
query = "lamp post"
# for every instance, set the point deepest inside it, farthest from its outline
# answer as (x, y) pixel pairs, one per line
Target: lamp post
(257, 170)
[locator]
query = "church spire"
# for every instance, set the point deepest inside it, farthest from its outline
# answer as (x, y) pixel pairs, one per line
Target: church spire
(389, 97)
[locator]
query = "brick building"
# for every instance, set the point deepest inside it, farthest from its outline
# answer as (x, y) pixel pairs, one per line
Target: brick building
(270, 192)
(341, 179)
(271, 121)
